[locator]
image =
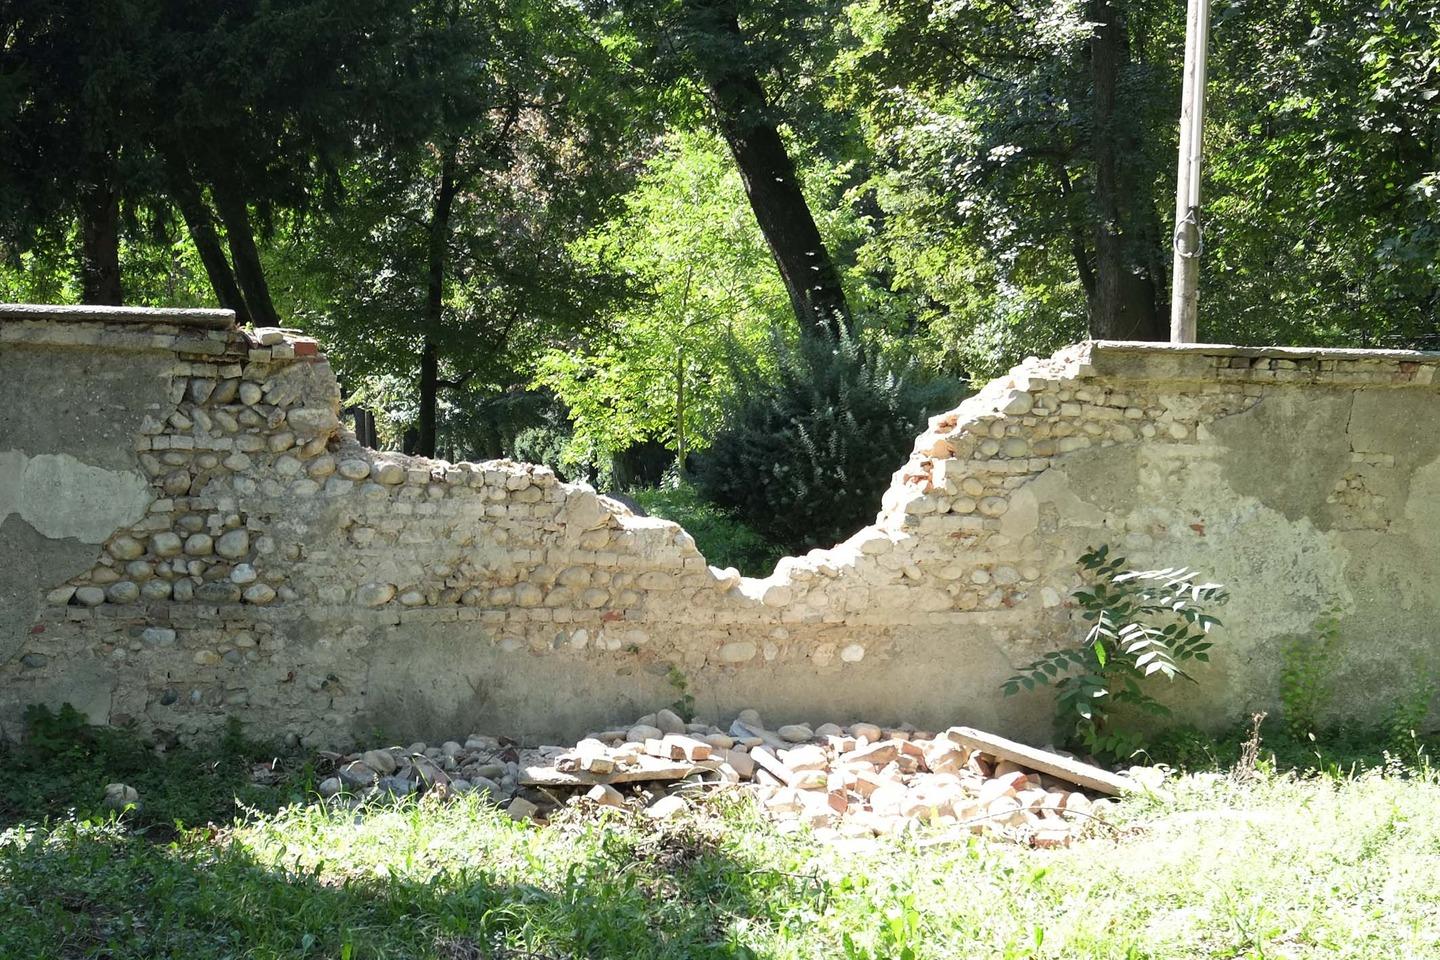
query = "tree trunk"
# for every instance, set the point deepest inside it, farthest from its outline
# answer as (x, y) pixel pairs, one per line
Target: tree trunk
(235, 214)
(1075, 222)
(100, 245)
(372, 438)
(680, 411)
(744, 117)
(429, 395)
(1125, 305)
(435, 300)
(187, 196)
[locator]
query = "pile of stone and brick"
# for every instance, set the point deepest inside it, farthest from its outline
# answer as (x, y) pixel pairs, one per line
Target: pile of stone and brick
(852, 781)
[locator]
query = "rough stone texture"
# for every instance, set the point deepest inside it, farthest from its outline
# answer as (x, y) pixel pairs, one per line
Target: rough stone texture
(341, 591)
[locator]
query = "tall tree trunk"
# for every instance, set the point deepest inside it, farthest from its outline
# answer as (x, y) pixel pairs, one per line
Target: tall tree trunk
(429, 396)
(100, 244)
(188, 197)
(235, 214)
(745, 120)
(1075, 222)
(190, 200)
(438, 243)
(1126, 302)
(372, 438)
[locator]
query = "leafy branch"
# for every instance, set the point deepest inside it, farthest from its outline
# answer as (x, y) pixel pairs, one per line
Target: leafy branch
(1142, 623)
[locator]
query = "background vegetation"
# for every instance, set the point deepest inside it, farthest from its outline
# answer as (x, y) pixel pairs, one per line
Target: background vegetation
(561, 230)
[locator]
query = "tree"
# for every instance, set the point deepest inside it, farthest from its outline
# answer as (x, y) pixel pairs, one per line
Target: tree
(709, 44)
(701, 283)
(1324, 178)
(68, 147)
(114, 112)
(446, 258)
(255, 107)
(1039, 135)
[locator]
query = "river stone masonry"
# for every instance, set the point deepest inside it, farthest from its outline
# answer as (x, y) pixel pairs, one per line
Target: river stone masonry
(190, 533)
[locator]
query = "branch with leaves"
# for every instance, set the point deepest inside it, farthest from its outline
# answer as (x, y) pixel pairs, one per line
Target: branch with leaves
(1142, 623)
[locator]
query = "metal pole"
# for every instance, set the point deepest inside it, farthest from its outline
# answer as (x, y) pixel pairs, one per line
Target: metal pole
(1187, 241)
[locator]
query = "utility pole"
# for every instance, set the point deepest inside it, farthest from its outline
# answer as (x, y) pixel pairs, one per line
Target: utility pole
(1187, 241)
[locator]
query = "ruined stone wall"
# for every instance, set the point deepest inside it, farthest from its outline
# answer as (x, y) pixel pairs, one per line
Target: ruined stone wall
(187, 532)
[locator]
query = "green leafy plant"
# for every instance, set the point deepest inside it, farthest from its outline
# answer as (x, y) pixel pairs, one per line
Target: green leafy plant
(1142, 623)
(684, 704)
(812, 436)
(1304, 684)
(724, 540)
(1406, 719)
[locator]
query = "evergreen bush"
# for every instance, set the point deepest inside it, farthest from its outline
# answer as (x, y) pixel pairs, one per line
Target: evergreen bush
(811, 436)
(725, 541)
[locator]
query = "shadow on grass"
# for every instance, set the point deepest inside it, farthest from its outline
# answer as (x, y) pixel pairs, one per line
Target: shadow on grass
(168, 883)
(63, 765)
(94, 890)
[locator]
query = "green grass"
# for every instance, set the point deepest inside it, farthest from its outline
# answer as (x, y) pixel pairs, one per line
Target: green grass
(1287, 865)
(63, 766)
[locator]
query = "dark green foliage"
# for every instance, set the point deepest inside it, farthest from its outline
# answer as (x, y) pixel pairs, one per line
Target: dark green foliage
(132, 117)
(1143, 622)
(448, 261)
(810, 441)
(1326, 191)
(1338, 751)
(489, 426)
(1305, 671)
(63, 764)
(725, 541)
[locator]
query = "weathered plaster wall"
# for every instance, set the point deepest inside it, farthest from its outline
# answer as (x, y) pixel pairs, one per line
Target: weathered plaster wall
(188, 532)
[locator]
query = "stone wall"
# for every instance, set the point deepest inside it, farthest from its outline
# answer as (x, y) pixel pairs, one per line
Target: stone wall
(187, 532)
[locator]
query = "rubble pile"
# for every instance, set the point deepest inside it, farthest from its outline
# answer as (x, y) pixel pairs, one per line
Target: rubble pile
(855, 780)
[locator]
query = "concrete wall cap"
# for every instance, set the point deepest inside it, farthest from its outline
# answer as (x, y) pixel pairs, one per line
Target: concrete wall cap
(1280, 353)
(85, 313)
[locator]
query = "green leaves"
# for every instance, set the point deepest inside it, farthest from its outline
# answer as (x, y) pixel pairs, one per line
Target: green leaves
(1143, 623)
(807, 445)
(701, 282)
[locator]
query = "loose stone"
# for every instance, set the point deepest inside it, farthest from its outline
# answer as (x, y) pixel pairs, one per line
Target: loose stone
(121, 796)
(795, 733)
(669, 722)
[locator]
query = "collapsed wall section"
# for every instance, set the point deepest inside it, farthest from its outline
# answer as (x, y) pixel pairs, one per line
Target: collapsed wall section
(207, 540)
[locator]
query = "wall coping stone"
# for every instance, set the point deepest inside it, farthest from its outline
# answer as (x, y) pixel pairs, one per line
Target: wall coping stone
(1279, 353)
(83, 313)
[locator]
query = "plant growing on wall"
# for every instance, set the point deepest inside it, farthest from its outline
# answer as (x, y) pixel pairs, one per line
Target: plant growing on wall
(1304, 679)
(1142, 623)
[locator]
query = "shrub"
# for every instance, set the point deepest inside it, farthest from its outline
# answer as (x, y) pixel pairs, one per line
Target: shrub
(1143, 622)
(1304, 684)
(1405, 721)
(725, 541)
(811, 436)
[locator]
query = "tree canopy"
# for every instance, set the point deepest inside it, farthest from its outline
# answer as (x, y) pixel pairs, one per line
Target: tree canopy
(558, 229)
